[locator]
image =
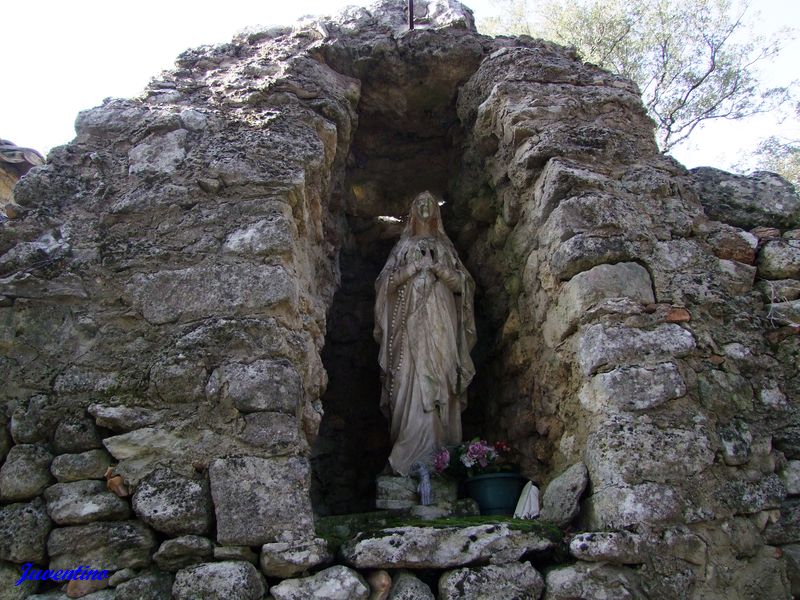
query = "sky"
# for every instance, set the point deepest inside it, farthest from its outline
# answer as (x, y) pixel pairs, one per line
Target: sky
(65, 56)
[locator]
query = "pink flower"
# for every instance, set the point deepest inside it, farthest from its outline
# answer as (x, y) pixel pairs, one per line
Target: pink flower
(477, 450)
(442, 460)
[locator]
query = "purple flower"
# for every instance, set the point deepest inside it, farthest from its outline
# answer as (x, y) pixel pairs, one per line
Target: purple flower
(477, 450)
(441, 461)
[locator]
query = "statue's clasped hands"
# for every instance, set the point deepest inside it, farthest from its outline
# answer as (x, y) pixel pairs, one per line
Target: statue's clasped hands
(444, 273)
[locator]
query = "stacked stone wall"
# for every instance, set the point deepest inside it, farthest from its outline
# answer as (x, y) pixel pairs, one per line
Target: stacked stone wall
(167, 280)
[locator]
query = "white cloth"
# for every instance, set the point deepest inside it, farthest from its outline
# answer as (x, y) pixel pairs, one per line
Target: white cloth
(528, 505)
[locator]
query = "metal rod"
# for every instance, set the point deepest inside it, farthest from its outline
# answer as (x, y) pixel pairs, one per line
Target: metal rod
(411, 14)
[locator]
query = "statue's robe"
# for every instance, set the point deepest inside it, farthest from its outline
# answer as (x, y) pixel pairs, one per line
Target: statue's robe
(425, 327)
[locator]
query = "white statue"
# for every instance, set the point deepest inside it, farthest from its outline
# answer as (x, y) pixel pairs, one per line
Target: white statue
(425, 326)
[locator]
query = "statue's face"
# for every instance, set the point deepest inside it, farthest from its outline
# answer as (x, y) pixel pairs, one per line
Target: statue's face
(424, 207)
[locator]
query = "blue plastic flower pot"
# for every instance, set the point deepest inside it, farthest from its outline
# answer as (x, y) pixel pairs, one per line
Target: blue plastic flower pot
(496, 493)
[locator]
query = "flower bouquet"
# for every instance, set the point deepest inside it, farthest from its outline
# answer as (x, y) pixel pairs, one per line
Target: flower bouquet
(491, 476)
(476, 457)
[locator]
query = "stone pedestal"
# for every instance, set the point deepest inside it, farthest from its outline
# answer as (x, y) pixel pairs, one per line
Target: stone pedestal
(395, 492)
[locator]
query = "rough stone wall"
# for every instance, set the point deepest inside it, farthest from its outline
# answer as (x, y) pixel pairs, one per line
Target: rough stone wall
(166, 293)
(633, 336)
(166, 286)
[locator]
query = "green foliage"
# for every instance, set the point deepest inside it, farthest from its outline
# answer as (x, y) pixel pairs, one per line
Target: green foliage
(778, 153)
(781, 156)
(511, 19)
(693, 60)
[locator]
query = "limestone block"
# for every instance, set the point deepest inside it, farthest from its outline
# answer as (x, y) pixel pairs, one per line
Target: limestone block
(23, 532)
(786, 530)
(784, 313)
(25, 473)
(628, 449)
(595, 212)
(178, 379)
(621, 280)
(77, 379)
(730, 243)
(736, 440)
(615, 345)
(743, 496)
(91, 464)
(263, 385)
(258, 500)
(582, 252)
(287, 559)
(442, 13)
(76, 435)
(193, 120)
(514, 580)
(561, 499)
(592, 582)
(172, 503)
(334, 583)
(178, 553)
(790, 474)
(787, 440)
(267, 237)
(633, 388)
(9, 575)
(780, 259)
(406, 586)
(113, 546)
(121, 576)
(779, 290)
(26, 254)
(124, 418)
(764, 233)
(89, 589)
(773, 398)
(159, 154)
(762, 198)
(744, 535)
(395, 492)
(616, 507)
(84, 501)
(148, 441)
(424, 547)
(34, 422)
(229, 580)
(206, 290)
(734, 277)
(792, 554)
(112, 119)
(616, 547)
(683, 544)
(271, 430)
(724, 392)
(149, 586)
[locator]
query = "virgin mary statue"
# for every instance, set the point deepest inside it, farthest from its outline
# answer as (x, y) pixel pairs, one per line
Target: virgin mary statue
(425, 326)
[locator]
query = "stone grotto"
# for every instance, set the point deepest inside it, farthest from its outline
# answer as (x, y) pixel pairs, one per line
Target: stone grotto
(190, 380)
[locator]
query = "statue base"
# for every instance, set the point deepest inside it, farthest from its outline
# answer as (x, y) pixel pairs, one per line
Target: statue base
(394, 492)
